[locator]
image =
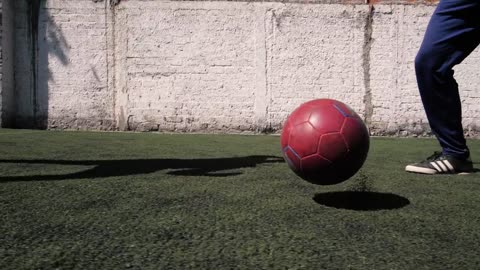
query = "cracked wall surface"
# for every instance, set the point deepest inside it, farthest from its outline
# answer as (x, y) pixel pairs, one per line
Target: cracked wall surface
(225, 66)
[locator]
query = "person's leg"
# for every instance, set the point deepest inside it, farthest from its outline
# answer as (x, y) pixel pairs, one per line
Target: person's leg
(452, 34)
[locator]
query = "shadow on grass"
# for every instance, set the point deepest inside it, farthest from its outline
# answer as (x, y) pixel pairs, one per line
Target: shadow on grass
(214, 167)
(361, 200)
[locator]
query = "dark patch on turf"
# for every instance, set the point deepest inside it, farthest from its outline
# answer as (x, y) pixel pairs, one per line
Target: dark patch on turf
(216, 167)
(361, 200)
(201, 172)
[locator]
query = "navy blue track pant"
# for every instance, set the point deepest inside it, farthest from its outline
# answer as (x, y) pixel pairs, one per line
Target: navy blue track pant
(452, 34)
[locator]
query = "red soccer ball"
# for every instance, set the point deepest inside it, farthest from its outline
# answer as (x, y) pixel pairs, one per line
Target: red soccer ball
(325, 142)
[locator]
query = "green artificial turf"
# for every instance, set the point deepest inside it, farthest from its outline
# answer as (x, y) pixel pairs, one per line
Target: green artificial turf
(80, 200)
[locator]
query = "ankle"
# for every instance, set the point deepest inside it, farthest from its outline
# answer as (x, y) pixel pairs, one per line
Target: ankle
(461, 157)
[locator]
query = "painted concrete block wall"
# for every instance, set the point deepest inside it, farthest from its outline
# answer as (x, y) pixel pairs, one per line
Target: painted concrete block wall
(396, 36)
(192, 69)
(1, 63)
(397, 110)
(314, 52)
(468, 78)
(227, 66)
(7, 103)
(25, 105)
(72, 71)
(234, 66)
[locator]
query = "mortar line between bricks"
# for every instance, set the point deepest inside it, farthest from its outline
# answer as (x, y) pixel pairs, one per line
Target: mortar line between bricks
(268, 99)
(107, 56)
(261, 91)
(367, 47)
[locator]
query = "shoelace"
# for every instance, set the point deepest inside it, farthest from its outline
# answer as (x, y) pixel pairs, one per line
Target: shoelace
(435, 156)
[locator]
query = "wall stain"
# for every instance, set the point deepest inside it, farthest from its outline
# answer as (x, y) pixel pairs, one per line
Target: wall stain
(367, 47)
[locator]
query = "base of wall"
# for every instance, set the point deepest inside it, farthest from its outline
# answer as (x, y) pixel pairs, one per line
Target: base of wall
(68, 123)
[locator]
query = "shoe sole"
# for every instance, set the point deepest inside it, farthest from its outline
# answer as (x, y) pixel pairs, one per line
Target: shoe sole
(421, 170)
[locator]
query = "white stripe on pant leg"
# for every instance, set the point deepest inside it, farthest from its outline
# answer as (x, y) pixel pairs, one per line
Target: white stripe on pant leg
(436, 166)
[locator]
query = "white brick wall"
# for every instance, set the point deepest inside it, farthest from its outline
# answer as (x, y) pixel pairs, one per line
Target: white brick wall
(24, 94)
(8, 53)
(314, 52)
(231, 66)
(72, 67)
(397, 34)
(188, 66)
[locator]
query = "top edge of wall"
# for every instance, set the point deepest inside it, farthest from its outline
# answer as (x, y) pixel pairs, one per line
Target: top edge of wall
(347, 2)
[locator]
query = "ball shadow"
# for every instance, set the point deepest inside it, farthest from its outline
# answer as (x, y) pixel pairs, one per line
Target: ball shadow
(361, 200)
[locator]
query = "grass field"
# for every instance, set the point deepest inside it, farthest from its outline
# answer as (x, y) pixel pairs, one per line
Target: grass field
(150, 201)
